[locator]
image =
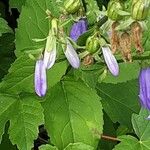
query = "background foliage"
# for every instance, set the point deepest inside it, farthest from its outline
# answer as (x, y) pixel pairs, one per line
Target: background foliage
(81, 107)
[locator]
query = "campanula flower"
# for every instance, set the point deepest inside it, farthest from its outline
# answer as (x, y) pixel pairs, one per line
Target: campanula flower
(40, 78)
(144, 83)
(72, 55)
(78, 29)
(49, 58)
(110, 61)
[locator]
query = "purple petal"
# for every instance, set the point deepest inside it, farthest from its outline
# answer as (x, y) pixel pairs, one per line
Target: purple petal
(49, 58)
(110, 61)
(72, 56)
(144, 84)
(40, 78)
(78, 29)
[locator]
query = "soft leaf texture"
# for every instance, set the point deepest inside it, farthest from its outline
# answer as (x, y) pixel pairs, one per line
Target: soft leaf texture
(47, 147)
(33, 23)
(17, 4)
(7, 104)
(24, 125)
(79, 146)
(21, 75)
(73, 115)
(4, 28)
(119, 100)
(142, 128)
(128, 71)
(141, 125)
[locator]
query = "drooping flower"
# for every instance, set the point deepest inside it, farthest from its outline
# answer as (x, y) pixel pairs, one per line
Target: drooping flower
(40, 82)
(110, 61)
(72, 55)
(50, 53)
(78, 29)
(144, 83)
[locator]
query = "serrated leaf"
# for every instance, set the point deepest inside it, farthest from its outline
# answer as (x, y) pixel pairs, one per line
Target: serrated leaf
(128, 143)
(17, 4)
(128, 71)
(21, 75)
(79, 146)
(4, 28)
(141, 125)
(73, 115)
(23, 128)
(7, 103)
(33, 23)
(48, 147)
(89, 74)
(120, 100)
(6, 144)
(142, 128)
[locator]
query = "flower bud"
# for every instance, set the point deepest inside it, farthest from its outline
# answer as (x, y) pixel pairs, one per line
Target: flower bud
(110, 61)
(72, 6)
(40, 78)
(78, 29)
(140, 9)
(50, 52)
(92, 44)
(144, 83)
(112, 10)
(72, 56)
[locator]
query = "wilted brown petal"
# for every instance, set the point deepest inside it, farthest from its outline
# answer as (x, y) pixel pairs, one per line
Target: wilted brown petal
(125, 46)
(136, 33)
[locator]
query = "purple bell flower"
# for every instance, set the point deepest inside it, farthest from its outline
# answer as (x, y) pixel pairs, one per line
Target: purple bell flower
(78, 29)
(110, 61)
(72, 56)
(144, 83)
(40, 78)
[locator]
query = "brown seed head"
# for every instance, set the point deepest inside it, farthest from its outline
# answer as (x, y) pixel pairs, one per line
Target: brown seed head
(88, 60)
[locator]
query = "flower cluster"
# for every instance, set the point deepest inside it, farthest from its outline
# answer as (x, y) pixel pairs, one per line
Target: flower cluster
(50, 54)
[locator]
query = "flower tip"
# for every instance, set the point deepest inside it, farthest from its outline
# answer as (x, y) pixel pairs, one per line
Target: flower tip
(40, 79)
(148, 118)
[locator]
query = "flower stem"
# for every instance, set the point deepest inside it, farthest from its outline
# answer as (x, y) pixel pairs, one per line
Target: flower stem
(105, 137)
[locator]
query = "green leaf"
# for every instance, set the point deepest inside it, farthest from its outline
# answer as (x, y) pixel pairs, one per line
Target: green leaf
(47, 147)
(89, 74)
(128, 71)
(4, 28)
(17, 4)
(142, 128)
(73, 115)
(120, 100)
(79, 146)
(23, 128)
(6, 144)
(7, 53)
(7, 105)
(21, 75)
(141, 125)
(33, 24)
(128, 143)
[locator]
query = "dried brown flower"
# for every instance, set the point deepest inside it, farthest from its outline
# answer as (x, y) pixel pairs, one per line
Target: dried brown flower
(125, 46)
(136, 35)
(88, 60)
(114, 38)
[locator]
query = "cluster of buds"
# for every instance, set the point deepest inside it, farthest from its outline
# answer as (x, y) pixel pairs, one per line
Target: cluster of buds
(50, 52)
(123, 40)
